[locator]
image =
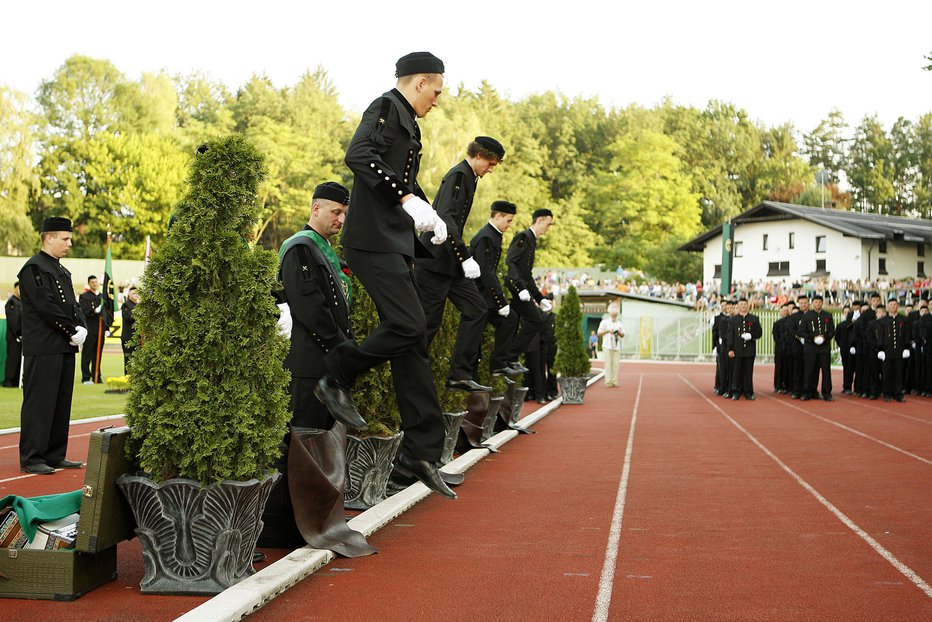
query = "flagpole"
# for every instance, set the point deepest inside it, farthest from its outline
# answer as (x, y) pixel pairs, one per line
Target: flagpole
(100, 318)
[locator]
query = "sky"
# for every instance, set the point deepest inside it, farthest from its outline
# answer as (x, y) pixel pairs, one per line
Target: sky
(789, 61)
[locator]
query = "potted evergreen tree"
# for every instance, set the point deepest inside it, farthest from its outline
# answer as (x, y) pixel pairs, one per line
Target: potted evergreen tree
(208, 407)
(572, 362)
(371, 452)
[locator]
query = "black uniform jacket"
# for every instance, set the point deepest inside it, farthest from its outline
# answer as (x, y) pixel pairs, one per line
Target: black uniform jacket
(453, 203)
(817, 323)
(486, 249)
(843, 336)
(319, 310)
(778, 331)
(892, 335)
(718, 332)
(737, 325)
(89, 301)
(50, 310)
(520, 263)
(14, 317)
(862, 334)
(384, 155)
(129, 322)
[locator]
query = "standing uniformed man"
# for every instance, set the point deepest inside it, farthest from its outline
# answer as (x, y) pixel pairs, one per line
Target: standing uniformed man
(14, 338)
(53, 328)
(91, 306)
(524, 294)
(893, 349)
(380, 244)
(779, 350)
(452, 273)
(800, 383)
(924, 342)
(911, 373)
(866, 371)
(845, 344)
(128, 329)
(486, 248)
(722, 361)
(742, 332)
(817, 329)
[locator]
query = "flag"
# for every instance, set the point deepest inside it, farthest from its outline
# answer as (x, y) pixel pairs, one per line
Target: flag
(109, 302)
(728, 242)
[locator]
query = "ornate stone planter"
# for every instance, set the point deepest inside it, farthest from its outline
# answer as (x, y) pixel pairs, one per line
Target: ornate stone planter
(488, 424)
(573, 389)
(451, 428)
(196, 539)
(368, 465)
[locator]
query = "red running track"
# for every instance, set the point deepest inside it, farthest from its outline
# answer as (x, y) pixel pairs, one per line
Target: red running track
(771, 510)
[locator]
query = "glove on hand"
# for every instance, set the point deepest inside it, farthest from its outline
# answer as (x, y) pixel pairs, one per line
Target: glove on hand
(79, 337)
(545, 305)
(852, 350)
(424, 216)
(714, 351)
(471, 269)
(285, 323)
(882, 355)
(905, 354)
(524, 295)
(440, 232)
(505, 311)
(819, 340)
(746, 336)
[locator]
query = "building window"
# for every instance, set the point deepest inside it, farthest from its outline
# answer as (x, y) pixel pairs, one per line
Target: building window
(738, 246)
(778, 268)
(718, 271)
(765, 241)
(792, 240)
(883, 246)
(920, 268)
(820, 265)
(820, 244)
(882, 265)
(920, 248)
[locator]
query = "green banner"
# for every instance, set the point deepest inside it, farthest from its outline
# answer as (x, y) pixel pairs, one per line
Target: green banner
(728, 244)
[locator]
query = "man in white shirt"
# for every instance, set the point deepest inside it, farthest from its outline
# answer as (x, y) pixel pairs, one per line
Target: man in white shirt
(611, 331)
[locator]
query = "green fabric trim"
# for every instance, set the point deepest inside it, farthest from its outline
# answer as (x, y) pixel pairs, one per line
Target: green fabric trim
(329, 253)
(37, 510)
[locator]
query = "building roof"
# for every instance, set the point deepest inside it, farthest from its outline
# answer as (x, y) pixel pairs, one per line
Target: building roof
(853, 224)
(614, 293)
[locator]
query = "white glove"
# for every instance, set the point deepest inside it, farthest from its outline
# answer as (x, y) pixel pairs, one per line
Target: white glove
(719, 341)
(99, 308)
(440, 233)
(819, 340)
(524, 295)
(855, 315)
(505, 311)
(905, 354)
(882, 355)
(852, 350)
(424, 216)
(106, 333)
(714, 351)
(285, 323)
(802, 341)
(746, 336)
(471, 269)
(545, 305)
(79, 337)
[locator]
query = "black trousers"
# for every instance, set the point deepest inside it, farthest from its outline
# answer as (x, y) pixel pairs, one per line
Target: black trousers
(89, 358)
(435, 289)
(742, 375)
(401, 339)
(531, 325)
(506, 332)
(799, 368)
(778, 364)
(14, 354)
(893, 369)
(127, 355)
(817, 362)
(306, 409)
(847, 365)
(726, 368)
(48, 383)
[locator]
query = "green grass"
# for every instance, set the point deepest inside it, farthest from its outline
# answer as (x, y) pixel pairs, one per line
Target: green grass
(88, 401)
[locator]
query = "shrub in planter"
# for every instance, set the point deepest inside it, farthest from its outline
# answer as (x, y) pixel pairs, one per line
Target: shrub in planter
(572, 361)
(208, 407)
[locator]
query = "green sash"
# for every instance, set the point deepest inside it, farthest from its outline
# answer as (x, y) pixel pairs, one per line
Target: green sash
(329, 253)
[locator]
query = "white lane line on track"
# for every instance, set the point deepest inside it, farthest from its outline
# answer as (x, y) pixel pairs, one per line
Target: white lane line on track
(860, 403)
(849, 429)
(604, 598)
(905, 570)
(12, 479)
(69, 438)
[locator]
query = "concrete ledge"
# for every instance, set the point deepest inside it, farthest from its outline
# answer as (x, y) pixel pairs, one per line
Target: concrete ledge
(251, 594)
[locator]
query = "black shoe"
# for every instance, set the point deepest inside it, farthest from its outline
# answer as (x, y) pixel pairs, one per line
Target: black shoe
(736, 397)
(795, 396)
(425, 471)
(845, 392)
(67, 464)
(750, 396)
(872, 397)
(467, 385)
(338, 402)
(529, 397)
(886, 398)
(900, 398)
(451, 479)
(804, 398)
(518, 367)
(552, 397)
(37, 469)
(726, 395)
(828, 398)
(505, 371)
(542, 400)
(258, 557)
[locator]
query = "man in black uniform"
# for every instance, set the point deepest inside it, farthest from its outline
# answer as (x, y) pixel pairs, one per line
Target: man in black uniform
(91, 306)
(548, 344)
(524, 294)
(53, 328)
(924, 342)
(128, 330)
(719, 351)
(843, 337)
(380, 243)
(14, 337)
(817, 329)
(911, 380)
(486, 248)
(741, 335)
(892, 335)
(452, 273)
(796, 347)
(779, 350)
(866, 366)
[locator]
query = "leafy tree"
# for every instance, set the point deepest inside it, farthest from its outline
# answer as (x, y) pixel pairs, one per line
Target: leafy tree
(826, 146)
(869, 168)
(203, 110)
(672, 265)
(208, 399)
(18, 182)
(572, 360)
(80, 100)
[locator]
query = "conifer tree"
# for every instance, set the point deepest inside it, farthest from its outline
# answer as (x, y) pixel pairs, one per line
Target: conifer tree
(572, 359)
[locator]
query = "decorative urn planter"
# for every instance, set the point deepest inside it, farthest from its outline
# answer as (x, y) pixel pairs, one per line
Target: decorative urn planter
(368, 464)
(451, 430)
(573, 389)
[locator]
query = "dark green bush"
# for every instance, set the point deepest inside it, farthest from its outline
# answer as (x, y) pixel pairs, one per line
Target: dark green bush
(572, 359)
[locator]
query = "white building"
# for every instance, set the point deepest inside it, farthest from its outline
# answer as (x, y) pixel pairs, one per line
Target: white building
(786, 242)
